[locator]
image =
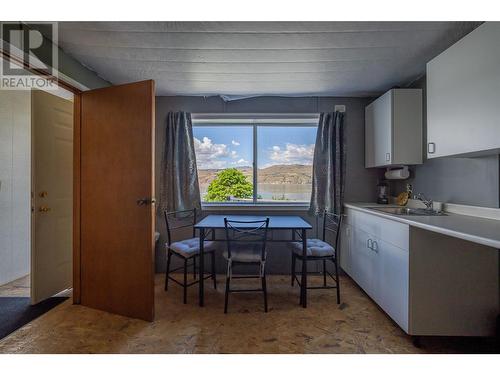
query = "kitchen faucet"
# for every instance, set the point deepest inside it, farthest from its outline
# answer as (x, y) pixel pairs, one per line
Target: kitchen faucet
(428, 202)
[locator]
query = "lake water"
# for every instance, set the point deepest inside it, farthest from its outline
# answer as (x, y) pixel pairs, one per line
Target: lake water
(276, 192)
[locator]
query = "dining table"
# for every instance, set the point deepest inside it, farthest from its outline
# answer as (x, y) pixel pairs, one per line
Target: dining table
(293, 224)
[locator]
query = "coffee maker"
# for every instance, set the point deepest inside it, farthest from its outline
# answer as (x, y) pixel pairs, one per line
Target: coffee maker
(383, 192)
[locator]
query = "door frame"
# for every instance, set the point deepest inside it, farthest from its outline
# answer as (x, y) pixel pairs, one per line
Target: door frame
(77, 130)
(77, 92)
(76, 145)
(76, 165)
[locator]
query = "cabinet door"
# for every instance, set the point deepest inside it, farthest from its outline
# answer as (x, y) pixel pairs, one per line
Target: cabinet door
(392, 281)
(345, 248)
(378, 131)
(369, 136)
(382, 131)
(406, 127)
(463, 105)
(363, 262)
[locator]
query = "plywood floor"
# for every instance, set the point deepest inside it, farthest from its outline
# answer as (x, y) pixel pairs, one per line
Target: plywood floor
(356, 326)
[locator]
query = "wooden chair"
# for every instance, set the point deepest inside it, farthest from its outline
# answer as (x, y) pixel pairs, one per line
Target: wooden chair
(246, 245)
(187, 250)
(321, 250)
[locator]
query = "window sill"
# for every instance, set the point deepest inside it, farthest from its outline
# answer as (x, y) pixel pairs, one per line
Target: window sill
(254, 207)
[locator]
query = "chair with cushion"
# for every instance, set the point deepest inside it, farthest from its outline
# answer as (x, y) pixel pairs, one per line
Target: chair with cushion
(321, 250)
(187, 250)
(246, 245)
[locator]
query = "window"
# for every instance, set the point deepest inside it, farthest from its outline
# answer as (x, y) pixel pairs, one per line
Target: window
(250, 159)
(227, 149)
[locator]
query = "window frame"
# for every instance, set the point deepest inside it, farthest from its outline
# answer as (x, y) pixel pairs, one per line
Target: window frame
(255, 121)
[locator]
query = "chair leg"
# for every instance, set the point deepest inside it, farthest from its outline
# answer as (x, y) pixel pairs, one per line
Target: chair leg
(228, 280)
(213, 270)
(264, 289)
(226, 296)
(338, 279)
(302, 268)
(194, 267)
(324, 272)
(293, 269)
(167, 271)
(185, 280)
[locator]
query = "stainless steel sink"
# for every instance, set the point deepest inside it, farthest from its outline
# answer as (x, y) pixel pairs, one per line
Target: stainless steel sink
(404, 211)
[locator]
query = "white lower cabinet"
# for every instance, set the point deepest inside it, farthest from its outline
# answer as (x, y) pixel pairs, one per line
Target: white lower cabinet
(381, 269)
(421, 279)
(379, 266)
(393, 281)
(364, 263)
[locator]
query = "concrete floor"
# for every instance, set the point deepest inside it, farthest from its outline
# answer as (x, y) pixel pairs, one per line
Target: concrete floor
(355, 326)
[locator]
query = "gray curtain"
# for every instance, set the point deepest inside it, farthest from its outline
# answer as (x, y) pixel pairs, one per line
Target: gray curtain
(179, 175)
(329, 165)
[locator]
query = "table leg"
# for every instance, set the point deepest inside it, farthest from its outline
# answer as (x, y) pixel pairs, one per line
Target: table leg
(303, 282)
(202, 268)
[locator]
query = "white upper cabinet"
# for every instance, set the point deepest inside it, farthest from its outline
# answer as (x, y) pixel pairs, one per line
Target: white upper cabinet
(463, 96)
(393, 129)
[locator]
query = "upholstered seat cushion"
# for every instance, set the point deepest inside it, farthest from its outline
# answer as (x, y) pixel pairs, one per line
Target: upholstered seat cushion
(315, 248)
(247, 253)
(191, 246)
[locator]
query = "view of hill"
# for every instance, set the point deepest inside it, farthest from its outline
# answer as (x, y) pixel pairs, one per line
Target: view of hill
(295, 174)
(205, 176)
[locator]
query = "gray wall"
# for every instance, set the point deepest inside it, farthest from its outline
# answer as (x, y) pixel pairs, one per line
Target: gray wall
(472, 181)
(360, 182)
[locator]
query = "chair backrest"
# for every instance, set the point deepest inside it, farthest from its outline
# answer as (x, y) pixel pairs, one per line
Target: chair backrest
(331, 225)
(179, 219)
(254, 232)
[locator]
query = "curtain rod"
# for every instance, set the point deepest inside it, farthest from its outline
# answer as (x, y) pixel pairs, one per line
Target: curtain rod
(253, 115)
(261, 115)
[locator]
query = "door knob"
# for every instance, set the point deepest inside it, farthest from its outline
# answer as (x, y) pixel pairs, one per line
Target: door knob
(44, 209)
(145, 201)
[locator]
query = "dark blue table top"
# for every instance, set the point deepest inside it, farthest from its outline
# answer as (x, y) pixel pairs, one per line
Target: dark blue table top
(275, 222)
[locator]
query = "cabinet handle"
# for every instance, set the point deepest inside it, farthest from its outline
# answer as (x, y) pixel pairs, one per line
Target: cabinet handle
(388, 156)
(375, 246)
(431, 147)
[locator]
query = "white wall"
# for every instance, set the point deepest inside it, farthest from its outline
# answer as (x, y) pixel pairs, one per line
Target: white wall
(15, 184)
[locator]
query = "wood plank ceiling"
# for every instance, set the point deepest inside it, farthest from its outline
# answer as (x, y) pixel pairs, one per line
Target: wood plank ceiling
(238, 59)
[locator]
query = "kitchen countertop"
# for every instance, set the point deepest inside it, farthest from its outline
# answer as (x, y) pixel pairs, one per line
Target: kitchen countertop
(470, 228)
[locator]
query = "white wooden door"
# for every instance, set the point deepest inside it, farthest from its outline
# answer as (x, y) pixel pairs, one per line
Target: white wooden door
(345, 248)
(393, 266)
(52, 195)
(379, 129)
(363, 262)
